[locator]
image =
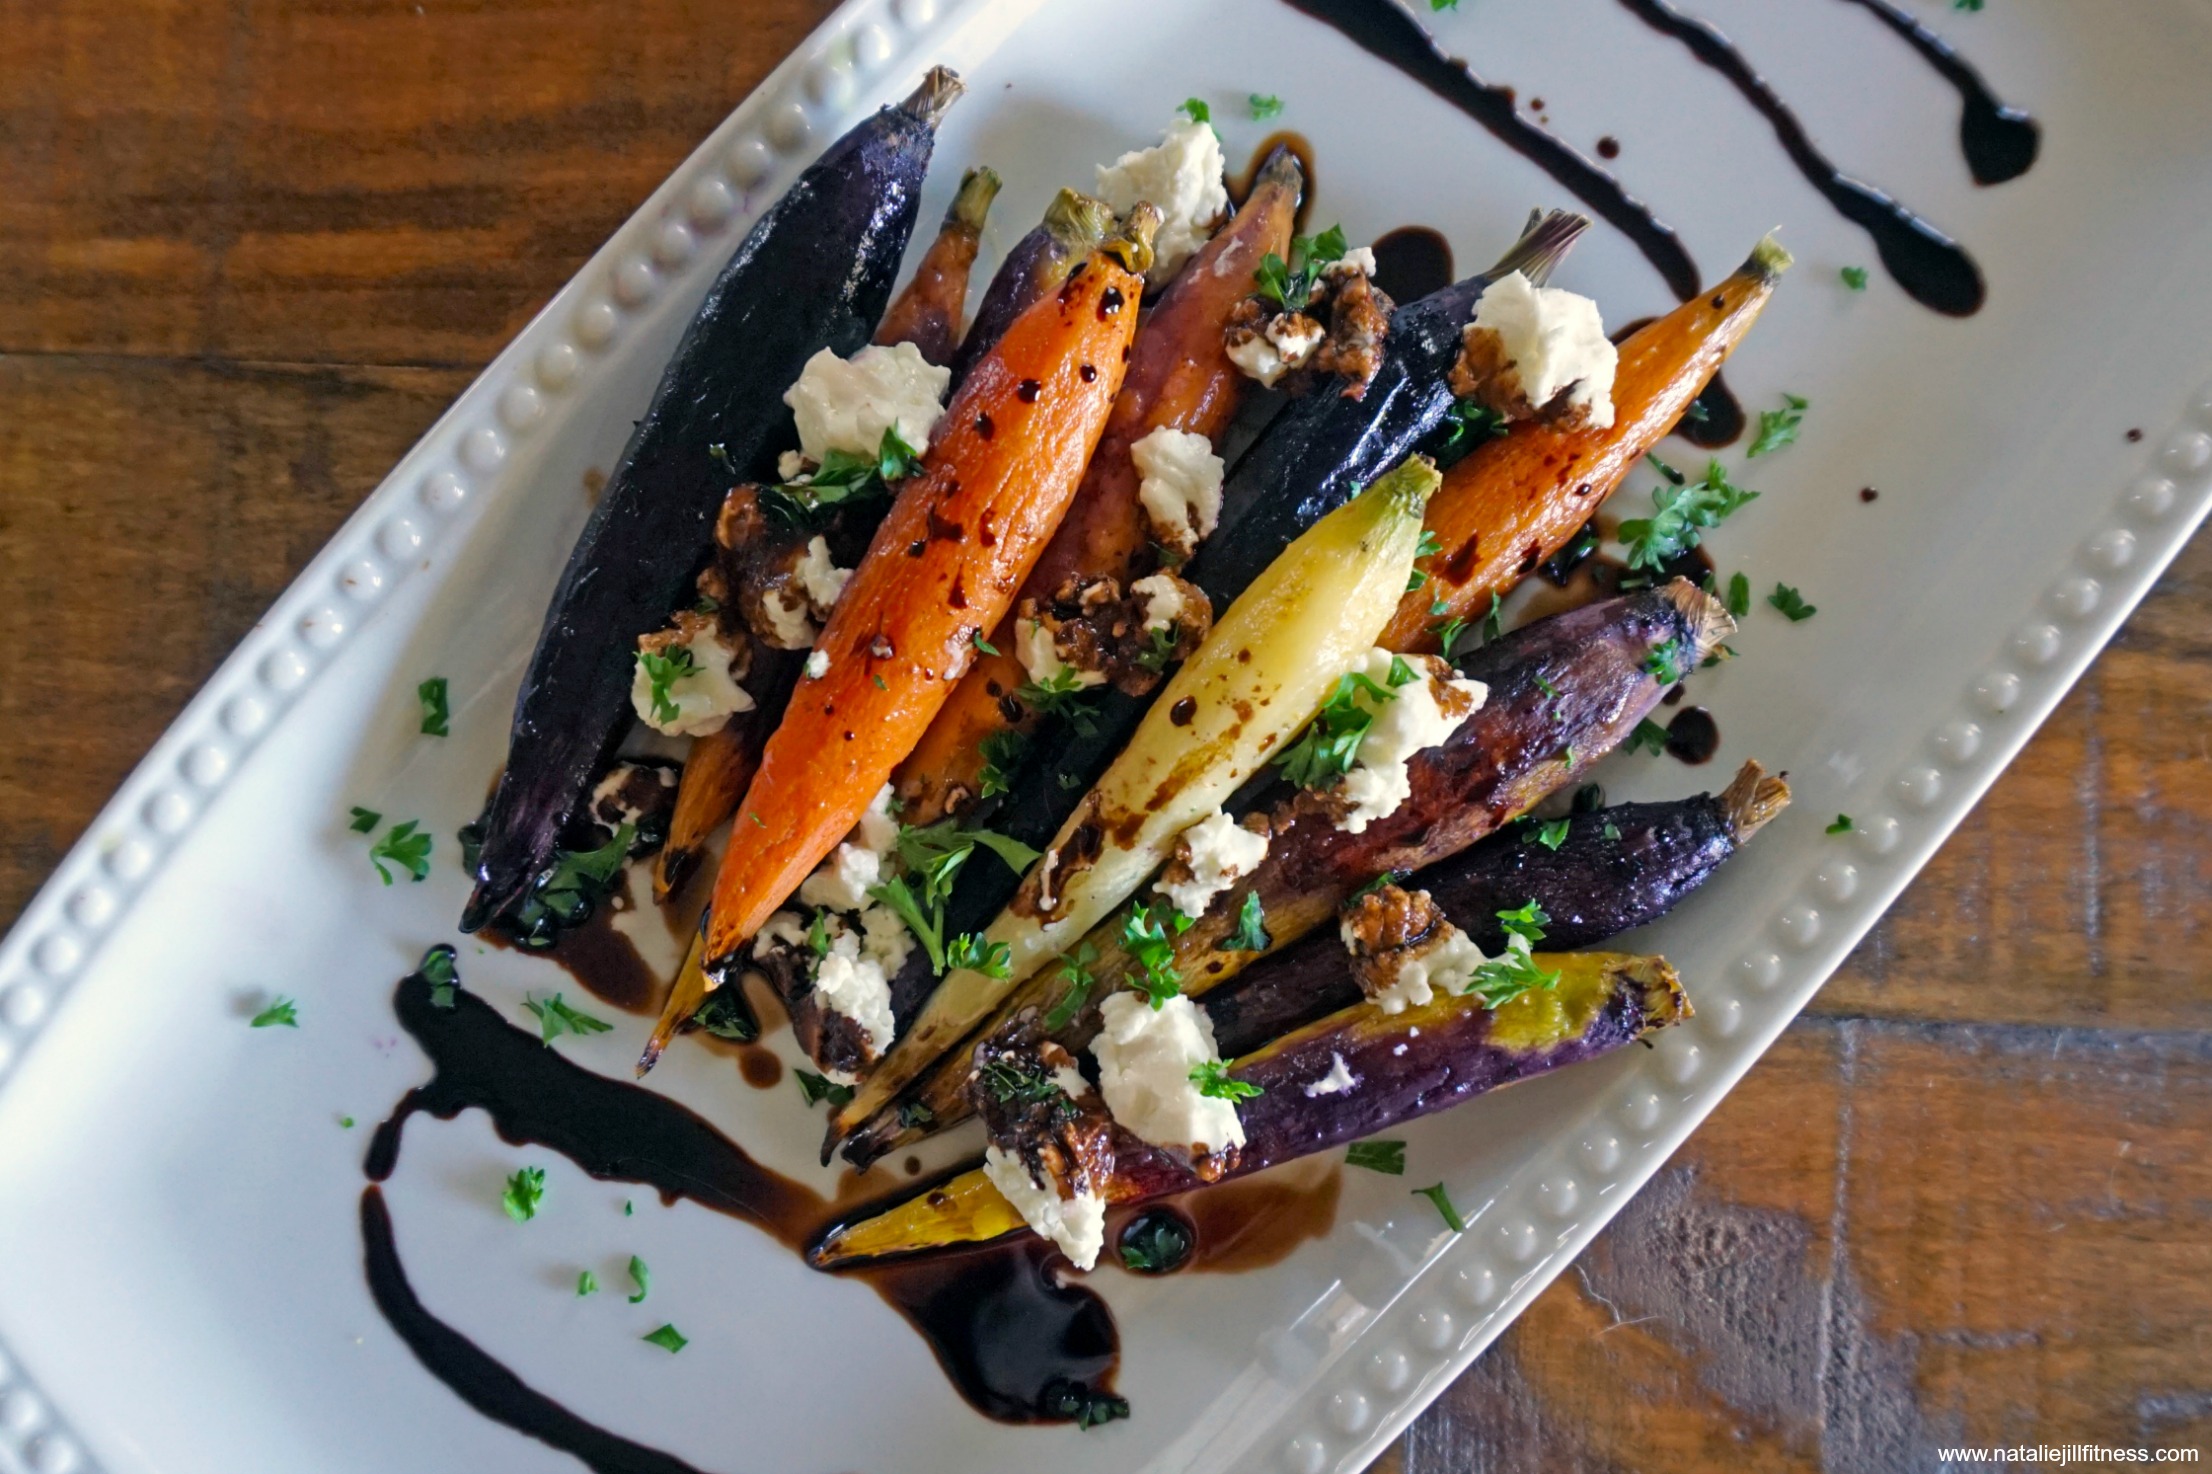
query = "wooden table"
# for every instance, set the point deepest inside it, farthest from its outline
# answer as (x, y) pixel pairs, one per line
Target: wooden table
(248, 252)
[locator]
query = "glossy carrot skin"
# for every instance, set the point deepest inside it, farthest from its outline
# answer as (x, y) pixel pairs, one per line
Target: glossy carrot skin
(964, 532)
(1179, 378)
(1513, 502)
(716, 771)
(928, 312)
(1033, 269)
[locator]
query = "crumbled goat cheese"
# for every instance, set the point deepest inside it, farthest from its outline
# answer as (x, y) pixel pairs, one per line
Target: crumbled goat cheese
(1071, 1081)
(1145, 1056)
(784, 929)
(797, 610)
(1163, 600)
(790, 619)
(857, 985)
(705, 697)
(842, 882)
(1181, 178)
(1360, 259)
(1403, 726)
(1075, 1224)
(1222, 852)
(1552, 340)
(1179, 482)
(822, 580)
(790, 466)
(1285, 343)
(1336, 1082)
(1446, 964)
(817, 665)
(847, 404)
(610, 789)
(1040, 656)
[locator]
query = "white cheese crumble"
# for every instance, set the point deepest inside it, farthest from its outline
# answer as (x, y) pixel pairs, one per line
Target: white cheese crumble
(790, 619)
(842, 881)
(610, 788)
(794, 608)
(1446, 965)
(822, 579)
(1076, 1225)
(1554, 339)
(857, 984)
(1222, 852)
(1336, 1082)
(1181, 178)
(790, 466)
(817, 665)
(847, 404)
(1410, 721)
(705, 697)
(1179, 482)
(1360, 259)
(1145, 1057)
(1040, 657)
(1163, 600)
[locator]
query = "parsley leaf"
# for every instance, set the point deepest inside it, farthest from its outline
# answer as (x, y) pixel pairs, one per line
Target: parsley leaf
(1466, 424)
(1649, 737)
(1508, 975)
(1550, 835)
(1778, 427)
(1666, 662)
(1329, 746)
(1075, 971)
(1966, 4)
(1681, 517)
(1019, 1080)
(435, 711)
(1493, 623)
(282, 1011)
(1159, 649)
(842, 479)
(556, 1018)
(1791, 603)
(1443, 1203)
(568, 890)
(971, 951)
(982, 644)
(1739, 596)
(933, 856)
(1080, 1405)
(1251, 933)
(404, 847)
(1527, 922)
(726, 1015)
(525, 1190)
(1196, 109)
(667, 1338)
(1854, 277)
(364, 821)
(1061, 696)
(1289, 283)
(915, 1116)
(1443, 4)
(1843, 825)
(438, 970)
(1154, 1244)
(1265, 106)
(1212, 1079)
(1003, 751)
(1144, 935)
(814, 1088)
(1387, 1157)
(587, 1283)
(642, 1278)
(662, 671)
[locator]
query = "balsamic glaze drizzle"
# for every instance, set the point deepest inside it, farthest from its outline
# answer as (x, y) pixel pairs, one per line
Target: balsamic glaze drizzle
(2000, 142)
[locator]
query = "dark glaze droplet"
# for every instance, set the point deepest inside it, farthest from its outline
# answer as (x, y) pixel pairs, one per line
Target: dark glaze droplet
(1028, 390)
(1715, 418)
(1560, 567)
(1868, 493)
(1412, 261)
(1089, 373)
(760, 1067)
(2135, 433)
(1182, 711)
(958, 597)
(984, 427)
(1693, 735)
(1109, 302)
(2000, 142)
(1609, 147)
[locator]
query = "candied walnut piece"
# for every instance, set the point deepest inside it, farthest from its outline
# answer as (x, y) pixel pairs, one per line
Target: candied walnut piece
(1386, 928)
(1035, 1104)
(1338, 331)
(1098, 628)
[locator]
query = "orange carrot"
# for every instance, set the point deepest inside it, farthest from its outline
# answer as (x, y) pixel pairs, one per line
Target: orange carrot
(967, 527)
(1179, 377)
(1514, 502)
(927, 314)
(716, 771)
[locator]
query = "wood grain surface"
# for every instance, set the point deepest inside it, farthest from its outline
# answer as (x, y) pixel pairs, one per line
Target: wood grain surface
(249, 251)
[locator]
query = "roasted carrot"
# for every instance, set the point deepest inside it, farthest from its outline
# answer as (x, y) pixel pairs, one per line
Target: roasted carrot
(1072, 228)
(942, 569)
(1179, 378)
(928, 313)
(1513, 502)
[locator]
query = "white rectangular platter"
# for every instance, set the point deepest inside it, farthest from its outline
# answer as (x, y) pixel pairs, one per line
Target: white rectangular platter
(180, 1263)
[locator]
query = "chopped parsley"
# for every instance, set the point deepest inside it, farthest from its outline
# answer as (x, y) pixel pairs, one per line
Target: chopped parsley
(1966, 4)
(1666, 662)
(1329, 746)
(642, 1277)
(1588, 799)
(1854, 277)
(1649, 737)
(1738, 598)
(435, 710)
(556, 1018)
(346, 1122)
(1081, 1405)
(1447, 631)
(1779, 427)
(1387, 1157)
(1196, 110)
(1443, 1200)
(1155, 1244)
(915, 1116)
(1251, 933)
(1791, 603)
(1145, 935)
(815, 1088)
(1428, 547)
(283, 1011)
(525, 1190)
(1289, 283)
(982, 644)
(1211, 1077)
(726, 1016)
(1265, 106)
(1612, 831)
(1843, 825)
(1527, 922)
(1682, 515)
(1467, 424)
(971, 951)
(1003, 752)
(1551, 834)
(1443, 4)
(932, 856)
(405, 846)
(667, 1338)
(364, 821)
(438, 970)
(1493, 623)
(1508, 975)
(568, 890)
(1159, 649)
(1075, 971)
(842, 478)
(1061, 695)
(662, 671)
(1019, 1080)
(587, 1283)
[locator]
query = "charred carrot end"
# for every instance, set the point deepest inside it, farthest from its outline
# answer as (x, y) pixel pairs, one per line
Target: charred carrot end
(715, 774)
(965, 530)
(1512, 503)
(928, 312)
